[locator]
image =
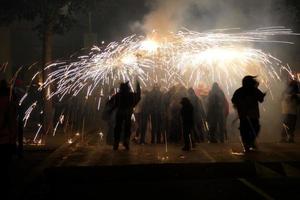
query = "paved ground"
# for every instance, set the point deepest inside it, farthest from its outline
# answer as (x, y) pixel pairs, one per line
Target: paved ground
(99, 155)
(211, 171)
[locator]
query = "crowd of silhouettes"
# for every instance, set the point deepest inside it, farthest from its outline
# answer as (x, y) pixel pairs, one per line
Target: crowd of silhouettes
(180, 115)
(171, 116)
(158, 115)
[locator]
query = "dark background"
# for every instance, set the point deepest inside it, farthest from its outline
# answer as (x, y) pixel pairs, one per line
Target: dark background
(21, 46)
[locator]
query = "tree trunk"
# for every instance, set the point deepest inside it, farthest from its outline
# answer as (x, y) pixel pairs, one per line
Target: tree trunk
(47, 116)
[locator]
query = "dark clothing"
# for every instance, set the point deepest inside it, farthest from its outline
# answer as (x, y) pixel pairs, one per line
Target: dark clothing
(8, 122)
(167, 117)
(124, 102)
(289, 104)
(246, 101)
(216, 114)
(249, 129)
(217, 128)
(122, 119)
(199, 116)
(8, 135)
(144, 117)
(187, 116)
(143, 127)
(156, 105)
(175, 114)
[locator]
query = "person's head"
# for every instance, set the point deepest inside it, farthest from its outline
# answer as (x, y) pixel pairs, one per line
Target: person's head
(124, 87)
(250, 82)
(215, 86)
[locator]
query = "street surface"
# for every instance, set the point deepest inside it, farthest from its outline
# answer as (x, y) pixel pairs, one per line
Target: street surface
(211, 171)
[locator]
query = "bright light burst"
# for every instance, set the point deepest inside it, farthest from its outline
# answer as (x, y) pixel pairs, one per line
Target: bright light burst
(186, 57)
(149, 45)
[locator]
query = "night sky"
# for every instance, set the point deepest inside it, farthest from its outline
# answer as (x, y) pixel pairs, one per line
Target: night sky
(123, 18)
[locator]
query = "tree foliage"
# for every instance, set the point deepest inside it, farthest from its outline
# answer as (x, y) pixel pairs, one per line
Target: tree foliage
(59, 15)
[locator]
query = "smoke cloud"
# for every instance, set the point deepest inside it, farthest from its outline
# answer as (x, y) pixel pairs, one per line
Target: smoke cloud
(202, 15)
(171, 15)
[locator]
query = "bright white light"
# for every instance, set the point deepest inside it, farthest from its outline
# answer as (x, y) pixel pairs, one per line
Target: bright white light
(149, 45)
(129, 59)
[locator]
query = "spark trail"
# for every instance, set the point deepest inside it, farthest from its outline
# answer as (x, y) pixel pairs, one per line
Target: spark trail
(187, 57)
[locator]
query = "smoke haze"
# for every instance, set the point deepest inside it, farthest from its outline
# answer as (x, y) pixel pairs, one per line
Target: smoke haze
(171, 15)
(202, 15)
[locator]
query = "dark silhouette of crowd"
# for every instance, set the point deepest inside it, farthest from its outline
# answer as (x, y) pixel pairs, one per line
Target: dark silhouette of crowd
(179, 115)
(167, 116)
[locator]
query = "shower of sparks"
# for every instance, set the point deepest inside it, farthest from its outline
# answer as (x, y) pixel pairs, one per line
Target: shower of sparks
(187, 57)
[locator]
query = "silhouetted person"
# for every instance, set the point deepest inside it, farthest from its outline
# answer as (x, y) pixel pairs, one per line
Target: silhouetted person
(124, 101)
(144, 116)
(216, 114)
(167, 100)
(245, 100)
(187, 116)
(289, 104)
(156, 110)
(8, 126)
(175, 107)
(199, 115)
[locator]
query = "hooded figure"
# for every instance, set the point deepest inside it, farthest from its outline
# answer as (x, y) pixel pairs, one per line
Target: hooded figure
(187, 117)
(124, 102)
(217, 111)
(289, 104)
(199, 115)
(245, 100)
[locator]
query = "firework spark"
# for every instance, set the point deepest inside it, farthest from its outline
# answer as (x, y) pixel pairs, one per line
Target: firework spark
(186, 57)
